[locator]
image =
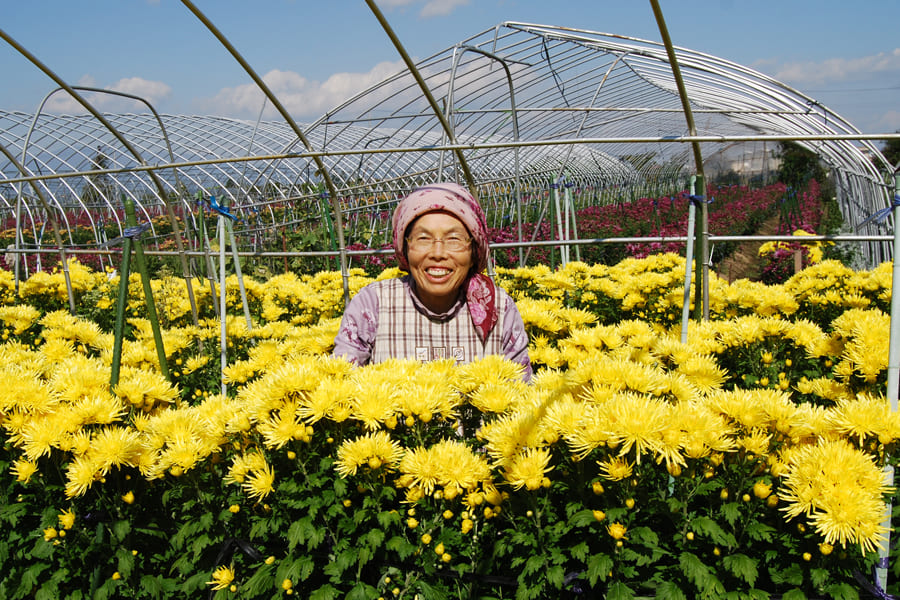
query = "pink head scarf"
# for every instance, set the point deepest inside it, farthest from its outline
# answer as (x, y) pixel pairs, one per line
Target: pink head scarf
(456, 200)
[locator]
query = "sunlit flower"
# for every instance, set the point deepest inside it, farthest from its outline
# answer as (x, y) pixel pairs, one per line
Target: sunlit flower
(615, 469)
(528, 468)
(259, 483)
(376, 450)
(23, 469)
(222, 577)
(66, 519)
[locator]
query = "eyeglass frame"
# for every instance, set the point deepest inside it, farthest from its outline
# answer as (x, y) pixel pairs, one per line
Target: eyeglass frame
(434, 240)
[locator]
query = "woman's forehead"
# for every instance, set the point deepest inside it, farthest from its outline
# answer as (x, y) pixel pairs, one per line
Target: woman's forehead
(438, 220)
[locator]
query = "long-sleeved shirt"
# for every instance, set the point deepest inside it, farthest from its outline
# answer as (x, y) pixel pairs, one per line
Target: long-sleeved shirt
(359, 330)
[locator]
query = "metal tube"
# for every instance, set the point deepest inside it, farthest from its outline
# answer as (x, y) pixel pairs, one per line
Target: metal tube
(237, 271)
(119, 327)
(131, 221)
(893, 385)
(703, 264)
(56, 233)
(689, 255)
(426, 92)
(223, 340)
(323, 170)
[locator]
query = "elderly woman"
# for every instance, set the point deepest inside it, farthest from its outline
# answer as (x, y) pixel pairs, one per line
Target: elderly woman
(445, 307)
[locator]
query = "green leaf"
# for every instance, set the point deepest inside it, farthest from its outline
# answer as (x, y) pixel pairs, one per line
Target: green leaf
(580, 551)
(258, 582)
(619, 591)
(582, 518)
(842, 591)
(12, 512)
(30, 579)
(156, 586)
(124, 562)
(742, 566)
(793, 575)
(326, 592)
(362, 591)
(760, 531)
(710, 529)
(374, 538)
(386, 518)
(401, 546)
(644, 536)
(819, 577)
(732, 512)
(669, 591)
(533, 564)
(794, 594)
(120, 529)
(299, 532)
(694, 569)
(556, 576)
(598, 568)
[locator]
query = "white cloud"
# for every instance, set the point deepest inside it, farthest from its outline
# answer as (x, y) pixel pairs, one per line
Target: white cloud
(303, 98)
(151, 91)
(440, 8)
(889, 121)
(430, 8)
(839, 69)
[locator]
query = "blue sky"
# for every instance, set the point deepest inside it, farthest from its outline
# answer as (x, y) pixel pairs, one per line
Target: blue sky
(316, 53)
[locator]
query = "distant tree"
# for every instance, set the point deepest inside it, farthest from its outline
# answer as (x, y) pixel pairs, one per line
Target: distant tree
(891, 151)
(799, 165)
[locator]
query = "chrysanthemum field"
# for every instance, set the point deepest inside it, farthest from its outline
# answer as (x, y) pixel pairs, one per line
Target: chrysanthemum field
(746, 463)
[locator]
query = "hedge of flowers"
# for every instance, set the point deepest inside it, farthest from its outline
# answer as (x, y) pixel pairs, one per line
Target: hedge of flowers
(746, 463)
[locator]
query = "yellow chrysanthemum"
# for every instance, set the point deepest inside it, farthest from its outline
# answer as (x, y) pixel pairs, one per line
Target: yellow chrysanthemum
(528, 468)
(840, 489)
(376, 450)
(80, 476)
(260, 482)
(114, 447)
(222, 577)
(23, 469)
(615, 469)
(66, 519)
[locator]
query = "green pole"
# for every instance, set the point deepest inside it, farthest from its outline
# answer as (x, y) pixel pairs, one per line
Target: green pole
(131, 221)
(124, 272)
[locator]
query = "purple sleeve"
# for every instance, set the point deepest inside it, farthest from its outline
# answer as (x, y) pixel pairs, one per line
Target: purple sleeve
(515, 338)
(356, 337)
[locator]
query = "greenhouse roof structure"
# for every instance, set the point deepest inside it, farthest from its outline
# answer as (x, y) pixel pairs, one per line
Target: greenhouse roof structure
(515, 110)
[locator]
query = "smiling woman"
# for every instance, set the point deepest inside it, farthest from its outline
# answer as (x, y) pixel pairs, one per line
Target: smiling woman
(445, 308)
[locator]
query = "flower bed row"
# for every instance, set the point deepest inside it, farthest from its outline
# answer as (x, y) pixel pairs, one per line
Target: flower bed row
(745, 463)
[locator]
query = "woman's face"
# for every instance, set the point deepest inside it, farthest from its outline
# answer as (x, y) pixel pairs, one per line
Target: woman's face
(438, 273)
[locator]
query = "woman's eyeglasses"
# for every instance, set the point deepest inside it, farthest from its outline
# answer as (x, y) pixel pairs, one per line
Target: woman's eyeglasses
(452, 243)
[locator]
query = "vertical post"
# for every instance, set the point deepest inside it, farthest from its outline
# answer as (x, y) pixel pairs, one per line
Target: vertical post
(131, 222)
(688, 258)
(119, 329)
(893, 385)
(223, 341)
(237, 271)
(700, 233)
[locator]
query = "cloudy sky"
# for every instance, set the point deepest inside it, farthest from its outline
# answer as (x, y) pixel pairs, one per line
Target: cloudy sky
(316, 53)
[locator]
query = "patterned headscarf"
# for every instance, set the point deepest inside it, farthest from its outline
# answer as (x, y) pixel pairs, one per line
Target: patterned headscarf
(457, 201)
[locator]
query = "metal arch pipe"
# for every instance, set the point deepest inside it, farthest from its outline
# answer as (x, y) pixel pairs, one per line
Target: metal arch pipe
(38, 113)
(52, 215)
(427, 92)
(515, 122)
(703, 263)
(332, 190)
(153, 175)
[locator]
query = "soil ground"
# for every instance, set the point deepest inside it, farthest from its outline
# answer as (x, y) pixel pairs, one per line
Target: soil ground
(744, 262)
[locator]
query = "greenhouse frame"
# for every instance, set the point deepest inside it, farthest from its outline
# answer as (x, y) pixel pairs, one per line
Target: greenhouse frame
(532, 115)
